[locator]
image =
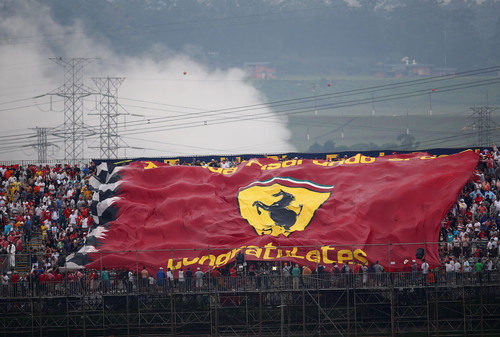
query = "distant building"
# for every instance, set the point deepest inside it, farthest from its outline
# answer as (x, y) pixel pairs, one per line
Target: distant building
(420, 69)
(400, 70)
(444, 71)
(260, 70)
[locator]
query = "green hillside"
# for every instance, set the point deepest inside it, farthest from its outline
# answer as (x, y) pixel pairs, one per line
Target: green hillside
(362, 122)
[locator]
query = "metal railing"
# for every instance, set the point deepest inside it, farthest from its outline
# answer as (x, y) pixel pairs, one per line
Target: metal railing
(90, 282)
(28, 162)
(256, 275)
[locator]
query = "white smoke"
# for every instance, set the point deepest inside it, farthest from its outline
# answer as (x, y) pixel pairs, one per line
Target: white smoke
(353, 3)
(185, 89)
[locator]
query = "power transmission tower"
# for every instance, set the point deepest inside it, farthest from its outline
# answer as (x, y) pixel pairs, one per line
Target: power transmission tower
(483, 125)
(109, 140)
(41, 144)
(73, 91)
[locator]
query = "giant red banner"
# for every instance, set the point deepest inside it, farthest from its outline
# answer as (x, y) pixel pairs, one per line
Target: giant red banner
(356, 210)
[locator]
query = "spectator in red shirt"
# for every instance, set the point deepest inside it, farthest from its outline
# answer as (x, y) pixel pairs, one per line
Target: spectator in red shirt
(15, 280)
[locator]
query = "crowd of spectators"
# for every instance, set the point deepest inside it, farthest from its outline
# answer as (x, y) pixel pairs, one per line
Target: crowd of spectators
(470, 230)
(44, 215)
(50, 203)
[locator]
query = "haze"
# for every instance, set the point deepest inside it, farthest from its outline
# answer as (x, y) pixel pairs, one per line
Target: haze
(201, 76)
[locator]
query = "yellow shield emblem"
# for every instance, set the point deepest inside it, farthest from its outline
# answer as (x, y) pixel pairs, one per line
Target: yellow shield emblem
(281, 205)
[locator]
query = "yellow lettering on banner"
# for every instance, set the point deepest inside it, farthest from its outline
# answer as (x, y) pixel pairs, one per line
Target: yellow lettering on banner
(215, 169)
(186, 262)
(235, 251)
(253, 250)
(207, 257)
(325, 250)
(344, 255)
(222, 259)
(357, 159)
(299, 162)
(360, 255)
(353, 160)
(288, 163)
(122, 162)
(317, 162)
(229, 170)
(331, 156)
(267, 251)
(367, 160)
(293, 253)
(171, 161)
(313, 256)
(427, 157)
(253, 161)
(272, 166)
(171, 262)
(151, 165)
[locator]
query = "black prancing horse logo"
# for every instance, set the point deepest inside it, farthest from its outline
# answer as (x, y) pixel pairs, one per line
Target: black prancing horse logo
(278, 211)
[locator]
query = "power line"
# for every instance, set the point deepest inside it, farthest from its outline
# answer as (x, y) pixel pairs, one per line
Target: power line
(291, 111)
(307, 99)
(428, 143)
(220, 116)
(14, 137)
(301, 99)
(28, 142)
(458, 136)
(16, 100)
(175, 144)
(27, 106)
(295, 101)
(316, 123)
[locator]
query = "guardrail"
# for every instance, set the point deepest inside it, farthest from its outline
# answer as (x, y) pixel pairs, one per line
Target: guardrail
(93, 283)
(27, 162)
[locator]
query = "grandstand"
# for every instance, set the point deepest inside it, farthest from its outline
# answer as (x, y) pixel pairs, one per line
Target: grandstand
(46, 215)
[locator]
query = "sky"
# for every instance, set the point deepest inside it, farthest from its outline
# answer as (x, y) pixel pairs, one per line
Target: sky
(163, 100)
(185, 90)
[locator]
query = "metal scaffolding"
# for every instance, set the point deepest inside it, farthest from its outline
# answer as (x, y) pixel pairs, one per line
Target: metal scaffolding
(457, 309)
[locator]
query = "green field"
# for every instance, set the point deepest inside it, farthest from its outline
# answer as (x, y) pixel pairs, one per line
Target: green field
(376, 117)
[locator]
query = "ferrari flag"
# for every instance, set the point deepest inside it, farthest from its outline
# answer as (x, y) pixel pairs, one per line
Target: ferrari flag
(356, 210)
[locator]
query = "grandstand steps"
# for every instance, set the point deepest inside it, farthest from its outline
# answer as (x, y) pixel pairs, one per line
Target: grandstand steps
(35, 246)
(22, 264)
(36, 238)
